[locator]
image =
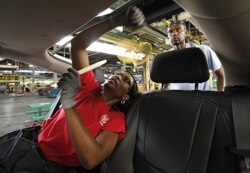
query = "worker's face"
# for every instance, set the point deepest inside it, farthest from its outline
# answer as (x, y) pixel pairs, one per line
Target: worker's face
(177, 34)
(118, 85)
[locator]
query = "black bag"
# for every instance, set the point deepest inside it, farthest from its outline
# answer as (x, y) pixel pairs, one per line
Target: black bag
(19, 152)
(14, 145)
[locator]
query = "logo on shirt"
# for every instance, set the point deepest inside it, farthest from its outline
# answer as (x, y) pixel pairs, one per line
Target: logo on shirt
(104, 119)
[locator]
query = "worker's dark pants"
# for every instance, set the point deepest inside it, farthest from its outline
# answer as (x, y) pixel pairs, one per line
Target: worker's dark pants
(19, 153)
(34, 161)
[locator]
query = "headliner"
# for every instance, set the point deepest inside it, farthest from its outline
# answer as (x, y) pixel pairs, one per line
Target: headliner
(29, 27)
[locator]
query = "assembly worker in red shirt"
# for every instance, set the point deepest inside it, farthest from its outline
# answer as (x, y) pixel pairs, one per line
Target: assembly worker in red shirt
(86, 129)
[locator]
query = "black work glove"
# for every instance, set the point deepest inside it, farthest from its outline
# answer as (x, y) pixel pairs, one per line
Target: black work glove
(132, 18)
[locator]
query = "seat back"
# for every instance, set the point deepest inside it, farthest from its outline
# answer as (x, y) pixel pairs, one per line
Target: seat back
(177, 131)
(181, 131)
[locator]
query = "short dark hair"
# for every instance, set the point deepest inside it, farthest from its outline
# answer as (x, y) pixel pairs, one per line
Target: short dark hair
(132, 94)
(177, 22)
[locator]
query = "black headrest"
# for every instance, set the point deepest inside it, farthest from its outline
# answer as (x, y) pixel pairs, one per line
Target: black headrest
(180, 66)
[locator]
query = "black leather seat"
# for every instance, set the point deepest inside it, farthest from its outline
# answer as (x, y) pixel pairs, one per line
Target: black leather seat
(177, 131)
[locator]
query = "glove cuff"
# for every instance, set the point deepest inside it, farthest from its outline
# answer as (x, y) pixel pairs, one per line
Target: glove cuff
(66, 104)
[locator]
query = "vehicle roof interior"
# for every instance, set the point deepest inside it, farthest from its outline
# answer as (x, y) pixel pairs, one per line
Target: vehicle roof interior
(27, 34)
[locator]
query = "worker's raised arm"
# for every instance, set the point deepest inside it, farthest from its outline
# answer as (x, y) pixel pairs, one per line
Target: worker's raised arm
(131, 18)
(90, 150)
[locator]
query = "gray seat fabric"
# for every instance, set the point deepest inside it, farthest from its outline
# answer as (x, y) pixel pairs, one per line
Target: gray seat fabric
(177, 131)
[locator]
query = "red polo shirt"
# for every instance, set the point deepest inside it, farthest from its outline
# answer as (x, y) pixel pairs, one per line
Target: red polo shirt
(96, 115)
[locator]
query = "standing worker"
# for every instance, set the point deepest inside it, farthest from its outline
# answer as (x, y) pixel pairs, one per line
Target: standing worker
(177, 34)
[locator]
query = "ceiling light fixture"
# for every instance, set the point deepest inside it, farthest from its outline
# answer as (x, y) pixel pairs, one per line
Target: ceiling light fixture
(106, 48)
(115, 50)
(105, 12)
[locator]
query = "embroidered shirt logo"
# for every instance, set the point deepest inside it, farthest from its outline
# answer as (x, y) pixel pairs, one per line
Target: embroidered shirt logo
(104, 119)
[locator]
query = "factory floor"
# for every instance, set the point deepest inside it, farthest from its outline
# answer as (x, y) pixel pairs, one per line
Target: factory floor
(13, 111)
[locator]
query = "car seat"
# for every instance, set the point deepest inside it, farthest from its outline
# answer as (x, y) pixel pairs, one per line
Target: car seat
(174, 131)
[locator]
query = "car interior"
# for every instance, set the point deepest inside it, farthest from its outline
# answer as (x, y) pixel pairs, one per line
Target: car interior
(180, 131)
(166, 130)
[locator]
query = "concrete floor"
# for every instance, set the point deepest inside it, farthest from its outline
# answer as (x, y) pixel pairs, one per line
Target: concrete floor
(13, 108)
